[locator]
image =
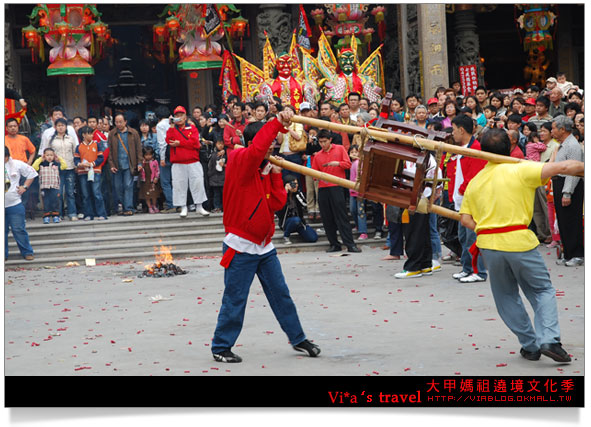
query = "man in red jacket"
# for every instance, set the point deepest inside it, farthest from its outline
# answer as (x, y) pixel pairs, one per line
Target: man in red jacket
(187, 172)
(253, 191)
(233, 131)
(461, 170)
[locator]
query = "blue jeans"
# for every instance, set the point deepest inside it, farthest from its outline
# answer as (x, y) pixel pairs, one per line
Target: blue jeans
(51, 204)
(295, 224)
(395, 238)
(435, 239)
(68, 190)
(467, 238)
(166, 184)
(14, 219)
(124, 187)
(237, 280)
(357, 208)
(510, 271)
(91, 190)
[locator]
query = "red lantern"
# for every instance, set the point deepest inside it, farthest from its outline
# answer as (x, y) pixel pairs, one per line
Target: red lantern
(100, 29)
(62, 28)
(172, 23)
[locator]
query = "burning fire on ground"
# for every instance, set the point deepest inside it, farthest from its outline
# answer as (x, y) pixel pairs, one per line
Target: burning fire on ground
(164, 265)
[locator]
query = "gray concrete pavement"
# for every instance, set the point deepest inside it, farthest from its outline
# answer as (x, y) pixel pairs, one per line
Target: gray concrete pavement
(104, 320)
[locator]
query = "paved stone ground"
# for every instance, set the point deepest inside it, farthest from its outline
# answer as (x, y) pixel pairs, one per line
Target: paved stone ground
(103, 320)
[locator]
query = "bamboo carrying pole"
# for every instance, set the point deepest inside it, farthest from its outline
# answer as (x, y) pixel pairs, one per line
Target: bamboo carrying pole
(419, 142)
(423, 206)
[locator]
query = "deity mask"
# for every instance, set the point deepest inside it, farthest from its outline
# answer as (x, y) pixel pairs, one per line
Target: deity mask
(284, 65)
(347, 61)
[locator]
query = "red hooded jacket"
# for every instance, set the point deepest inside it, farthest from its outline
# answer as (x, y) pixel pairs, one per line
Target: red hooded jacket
(250, 198)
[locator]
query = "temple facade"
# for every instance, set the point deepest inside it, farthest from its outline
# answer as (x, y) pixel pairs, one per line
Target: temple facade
(423, 47)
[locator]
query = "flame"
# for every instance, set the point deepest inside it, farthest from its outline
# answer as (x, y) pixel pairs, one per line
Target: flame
(163, 255)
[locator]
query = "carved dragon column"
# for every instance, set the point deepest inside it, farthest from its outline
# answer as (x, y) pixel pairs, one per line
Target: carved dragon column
(466, 39)
(278, 24)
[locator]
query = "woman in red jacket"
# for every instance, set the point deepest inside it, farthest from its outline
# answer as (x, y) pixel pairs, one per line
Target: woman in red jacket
(253, 191)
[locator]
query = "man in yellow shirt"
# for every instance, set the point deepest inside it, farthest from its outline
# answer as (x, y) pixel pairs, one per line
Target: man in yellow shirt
(498, 205)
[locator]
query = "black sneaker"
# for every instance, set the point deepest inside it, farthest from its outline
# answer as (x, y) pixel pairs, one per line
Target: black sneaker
(555, 352)
(530, 355)
(307, 347)
(227, 356)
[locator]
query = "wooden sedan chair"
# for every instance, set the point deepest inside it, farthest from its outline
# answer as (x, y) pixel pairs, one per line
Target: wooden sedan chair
(382, 166)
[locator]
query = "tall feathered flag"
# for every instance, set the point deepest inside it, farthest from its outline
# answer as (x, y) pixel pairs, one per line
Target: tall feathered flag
(228, 77)
(304, 31)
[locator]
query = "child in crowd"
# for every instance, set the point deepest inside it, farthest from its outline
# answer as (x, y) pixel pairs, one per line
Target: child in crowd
(149, 186)
(148, 138)
(534, 147)
(88, 157)
(49, 166)
(217, 172)
(357, 204)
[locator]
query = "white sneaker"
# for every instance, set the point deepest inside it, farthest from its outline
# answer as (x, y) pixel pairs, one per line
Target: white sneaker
(460, 275)
(472, 278)
(573, 262)
(184, 212)
(286, 240)
(80, 216)
(192, 208)
(435, 266)
(202, 211)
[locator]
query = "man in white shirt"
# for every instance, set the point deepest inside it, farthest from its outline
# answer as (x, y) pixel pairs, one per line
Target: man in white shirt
(56, 113)
(163, 114)
(14, 210)
(354, 109)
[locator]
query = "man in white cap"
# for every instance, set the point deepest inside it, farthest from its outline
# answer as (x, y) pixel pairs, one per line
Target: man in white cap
(187, 172)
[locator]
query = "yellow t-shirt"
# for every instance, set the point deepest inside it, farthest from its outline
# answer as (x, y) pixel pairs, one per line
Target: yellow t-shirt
(501, 195)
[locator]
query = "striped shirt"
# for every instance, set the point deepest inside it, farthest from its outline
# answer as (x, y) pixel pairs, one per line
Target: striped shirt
(570, 149)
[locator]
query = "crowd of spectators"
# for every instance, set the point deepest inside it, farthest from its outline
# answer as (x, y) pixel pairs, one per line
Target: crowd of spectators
(173, 162)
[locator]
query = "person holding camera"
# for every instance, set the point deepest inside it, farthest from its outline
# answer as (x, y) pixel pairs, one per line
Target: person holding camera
(291, 217)
(187, 172)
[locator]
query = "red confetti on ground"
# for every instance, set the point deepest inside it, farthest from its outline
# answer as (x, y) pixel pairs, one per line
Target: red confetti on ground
(112, 342)
(82, 367)
(188, 372)
(263, 366)
(190, 343)
(34, 344)
(375, 372)
(406, 369)
(500, 365)
(129, 349)
(457, 373)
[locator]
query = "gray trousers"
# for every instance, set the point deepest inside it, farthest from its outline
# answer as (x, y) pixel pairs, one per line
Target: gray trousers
(541, 214)
(509, 271)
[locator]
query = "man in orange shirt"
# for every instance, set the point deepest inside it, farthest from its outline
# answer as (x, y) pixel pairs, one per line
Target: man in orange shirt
(21, 148)
(334, 160)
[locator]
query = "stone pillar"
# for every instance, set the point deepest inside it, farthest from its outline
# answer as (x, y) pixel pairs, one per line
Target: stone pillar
(466, 40)
(279, 26)
(199, 89)
(73, 95)
(433, 48)
(403, 48)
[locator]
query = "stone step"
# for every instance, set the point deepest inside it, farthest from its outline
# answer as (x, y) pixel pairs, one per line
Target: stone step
(147, 255)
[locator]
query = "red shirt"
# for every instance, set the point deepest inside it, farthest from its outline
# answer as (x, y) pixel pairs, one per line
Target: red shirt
(517, 153)
(335, 153)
